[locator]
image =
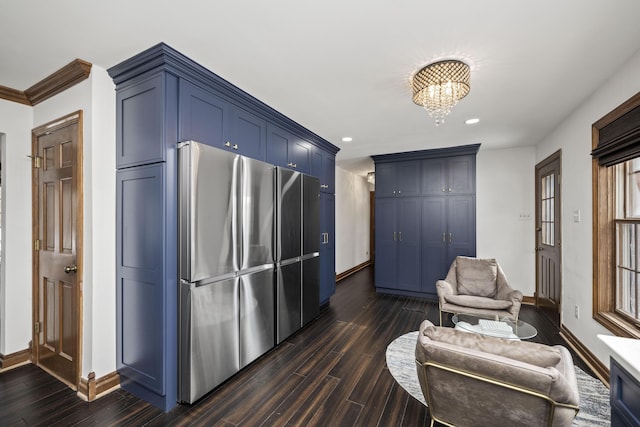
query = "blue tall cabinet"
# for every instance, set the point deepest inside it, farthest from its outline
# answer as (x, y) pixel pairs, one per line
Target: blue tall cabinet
(425, 216)
(163, 98)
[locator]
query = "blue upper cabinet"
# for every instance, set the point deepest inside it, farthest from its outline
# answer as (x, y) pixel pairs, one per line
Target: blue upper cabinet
(288, 150)
(144, 128)
(249, 134)
(450, 176)
(400, 179)
(323, 165)
(207, 118)
(203, 117)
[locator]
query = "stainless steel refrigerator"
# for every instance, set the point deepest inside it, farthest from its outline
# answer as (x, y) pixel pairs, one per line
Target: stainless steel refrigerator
(297, 251)
(227, 298)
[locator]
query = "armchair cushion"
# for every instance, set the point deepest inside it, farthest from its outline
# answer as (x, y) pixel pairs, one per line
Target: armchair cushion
(478, 302)
(476, 276)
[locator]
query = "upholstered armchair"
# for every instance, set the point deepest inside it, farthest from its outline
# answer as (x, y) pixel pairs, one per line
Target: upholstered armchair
(477, 286)
(475, 380)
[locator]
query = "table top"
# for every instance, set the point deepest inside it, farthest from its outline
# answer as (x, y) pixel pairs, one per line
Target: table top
(471, 323)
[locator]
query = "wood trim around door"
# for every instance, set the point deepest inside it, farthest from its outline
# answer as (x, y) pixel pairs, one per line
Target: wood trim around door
(49, 127)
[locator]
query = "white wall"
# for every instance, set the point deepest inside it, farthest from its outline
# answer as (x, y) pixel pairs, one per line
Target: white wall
(103, 226)
(573, 137)
(15, 269)
(505, 208)
(352, 220)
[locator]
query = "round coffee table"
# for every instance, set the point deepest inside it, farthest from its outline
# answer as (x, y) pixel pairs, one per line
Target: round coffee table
(470, 323)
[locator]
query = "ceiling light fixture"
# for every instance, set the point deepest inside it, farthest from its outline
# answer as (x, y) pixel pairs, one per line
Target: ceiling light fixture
(439, 86)
(347, 139)
(471, 121)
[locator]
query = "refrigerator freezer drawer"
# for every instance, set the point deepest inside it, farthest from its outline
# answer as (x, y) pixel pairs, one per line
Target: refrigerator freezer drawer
(310, 289)
(257, 308)
(289, 308)
(209, 331)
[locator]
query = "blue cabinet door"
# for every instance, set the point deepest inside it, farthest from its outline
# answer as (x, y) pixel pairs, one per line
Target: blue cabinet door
(277, 145)
(461, 226)
(328, 179)
(386, 235)
(146, 299)
(204, 117)
(434, 177)
(385, 180)
(287, 150)
(249, 134)
(408, 178)
(327, 247)
(461, 172)
(299, 152)
(434, 242)
(140, 129)
(409, 244)
(323, 165)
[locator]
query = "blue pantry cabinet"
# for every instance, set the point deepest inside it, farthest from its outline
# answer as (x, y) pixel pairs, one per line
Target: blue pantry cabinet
(425, 216)
(163, 98)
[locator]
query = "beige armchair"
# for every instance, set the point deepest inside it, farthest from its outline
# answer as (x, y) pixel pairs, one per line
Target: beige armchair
(477, 286)
(475, 380)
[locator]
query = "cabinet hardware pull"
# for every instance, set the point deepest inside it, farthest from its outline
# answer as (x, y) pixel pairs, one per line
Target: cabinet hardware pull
(450, 237)
(292, 165)
(235, 146)
(449, 190)
(400, 236)
(399, 192)
(444, 238)
(394, 191)
(444, 189)
(227, 144)
(394, 236)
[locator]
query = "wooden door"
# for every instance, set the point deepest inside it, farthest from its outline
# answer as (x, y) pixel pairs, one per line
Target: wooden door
(57, 216)
(548, 237)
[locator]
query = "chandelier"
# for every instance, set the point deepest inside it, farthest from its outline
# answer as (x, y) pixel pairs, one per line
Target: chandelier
(439, 86)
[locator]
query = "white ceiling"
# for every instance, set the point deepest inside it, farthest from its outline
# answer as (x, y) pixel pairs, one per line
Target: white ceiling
(341, 67)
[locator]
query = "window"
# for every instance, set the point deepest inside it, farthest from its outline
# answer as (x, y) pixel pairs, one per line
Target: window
(616, 217)
(628, 239)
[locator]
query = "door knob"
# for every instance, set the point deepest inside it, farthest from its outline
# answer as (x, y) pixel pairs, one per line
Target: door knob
(70, 269)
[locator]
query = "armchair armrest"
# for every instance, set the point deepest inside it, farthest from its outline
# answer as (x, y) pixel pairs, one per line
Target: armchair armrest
(444, 288)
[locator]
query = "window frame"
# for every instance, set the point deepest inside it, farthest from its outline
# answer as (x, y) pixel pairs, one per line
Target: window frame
(604, 234)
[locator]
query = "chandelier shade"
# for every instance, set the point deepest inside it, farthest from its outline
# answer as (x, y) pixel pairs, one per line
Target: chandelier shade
(439, 86)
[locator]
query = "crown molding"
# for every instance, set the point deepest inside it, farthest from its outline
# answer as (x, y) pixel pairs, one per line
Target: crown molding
(67, 76)
(13, 95)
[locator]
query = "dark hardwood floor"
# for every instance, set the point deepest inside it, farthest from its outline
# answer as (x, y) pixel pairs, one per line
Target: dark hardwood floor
(332, 373)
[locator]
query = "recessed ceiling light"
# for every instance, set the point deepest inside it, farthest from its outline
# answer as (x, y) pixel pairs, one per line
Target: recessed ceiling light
(347, 139)
(471, 121)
